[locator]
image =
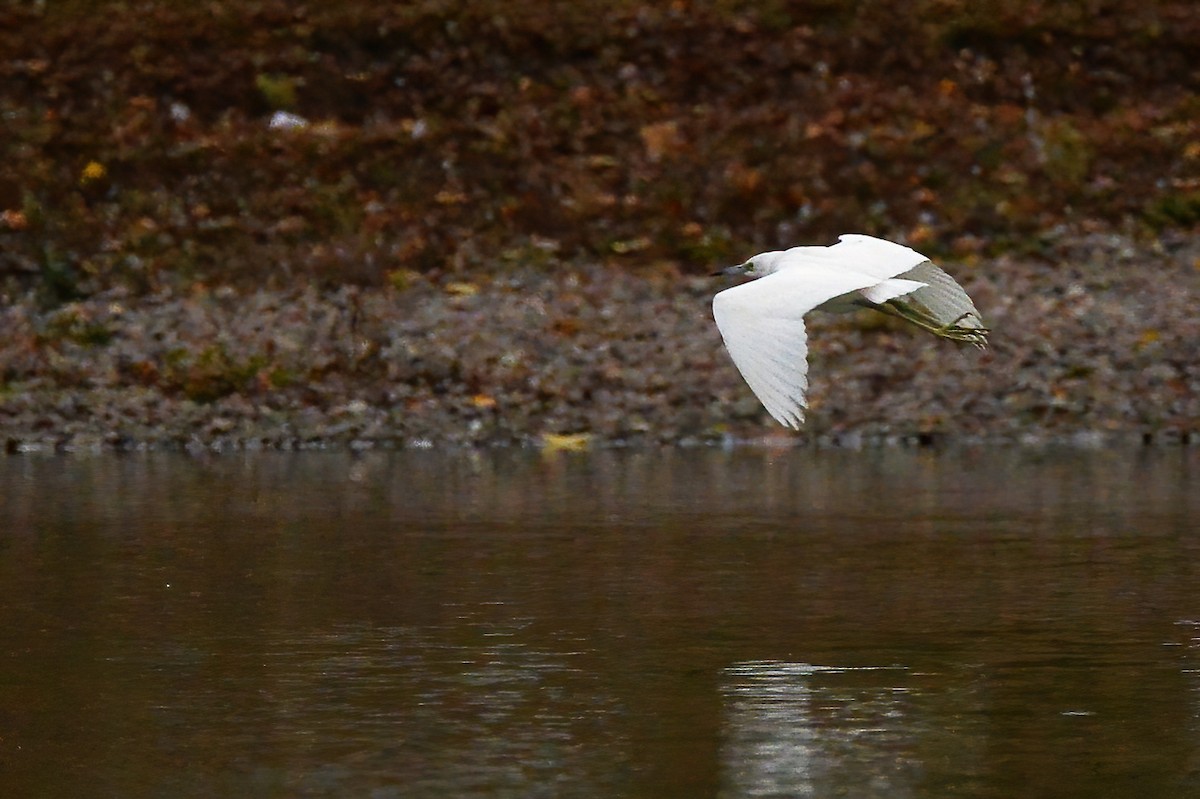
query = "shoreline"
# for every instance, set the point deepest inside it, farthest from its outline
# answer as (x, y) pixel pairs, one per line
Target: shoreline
(1096, 342)
(1084, 440)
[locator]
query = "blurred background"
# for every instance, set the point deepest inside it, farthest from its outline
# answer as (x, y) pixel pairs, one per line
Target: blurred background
(479, 234)
(148, 143)
(486, 222)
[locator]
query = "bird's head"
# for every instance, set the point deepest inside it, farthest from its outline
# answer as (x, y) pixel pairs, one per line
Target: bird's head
(762, 264)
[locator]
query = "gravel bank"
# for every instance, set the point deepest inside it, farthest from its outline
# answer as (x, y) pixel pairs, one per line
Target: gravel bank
(1095, 339)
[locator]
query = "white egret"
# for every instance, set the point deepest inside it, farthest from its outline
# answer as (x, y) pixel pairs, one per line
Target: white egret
(762, 322)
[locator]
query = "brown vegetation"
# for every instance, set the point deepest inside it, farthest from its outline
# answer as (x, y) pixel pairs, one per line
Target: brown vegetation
(448, 136)
(296, 222)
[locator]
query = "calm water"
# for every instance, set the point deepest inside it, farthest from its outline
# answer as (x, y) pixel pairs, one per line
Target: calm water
(984, 623)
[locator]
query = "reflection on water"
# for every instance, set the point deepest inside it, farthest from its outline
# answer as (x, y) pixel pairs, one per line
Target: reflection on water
(794, 729)
(982, 623)
(499, 716)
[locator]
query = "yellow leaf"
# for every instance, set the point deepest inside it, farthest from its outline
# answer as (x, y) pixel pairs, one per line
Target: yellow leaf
(462, 289)
(402, 279)
(92, 172)
(922, 129)
(449, 197)
(631, 245)
(569, 442)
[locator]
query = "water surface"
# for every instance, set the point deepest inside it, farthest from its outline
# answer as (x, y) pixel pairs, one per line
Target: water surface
(976, 623)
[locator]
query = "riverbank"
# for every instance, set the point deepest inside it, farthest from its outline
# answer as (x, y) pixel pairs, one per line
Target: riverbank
(288, 225)
(1095, 340)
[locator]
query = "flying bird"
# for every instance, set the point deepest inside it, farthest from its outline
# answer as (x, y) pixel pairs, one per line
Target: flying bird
(762, 321)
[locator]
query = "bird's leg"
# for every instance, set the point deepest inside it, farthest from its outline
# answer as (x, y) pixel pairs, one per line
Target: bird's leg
(953, 330)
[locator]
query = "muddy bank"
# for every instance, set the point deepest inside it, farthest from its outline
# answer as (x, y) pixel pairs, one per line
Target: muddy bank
(1095, 340)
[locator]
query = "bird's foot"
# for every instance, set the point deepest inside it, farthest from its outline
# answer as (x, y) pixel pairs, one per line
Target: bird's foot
(965, 333)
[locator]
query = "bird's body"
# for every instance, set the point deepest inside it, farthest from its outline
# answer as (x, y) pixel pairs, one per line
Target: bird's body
(762, 322)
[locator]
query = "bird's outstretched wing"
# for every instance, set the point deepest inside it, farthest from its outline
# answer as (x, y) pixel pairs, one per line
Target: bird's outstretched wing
(878, 257)
(866, 254)
(762, 323)
(940, 306)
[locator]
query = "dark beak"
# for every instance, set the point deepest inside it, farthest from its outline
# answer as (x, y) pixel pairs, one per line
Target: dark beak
(740, 269)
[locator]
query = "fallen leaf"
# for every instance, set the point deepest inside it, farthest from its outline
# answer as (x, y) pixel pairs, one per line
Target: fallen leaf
(92, 172)
(462, 289)
(569, 442)
(14, 220)
(662, 139)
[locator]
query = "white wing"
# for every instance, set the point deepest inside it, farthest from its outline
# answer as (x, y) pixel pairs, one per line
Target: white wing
(876, 257)
(762, 323)
(927, 293)
(890, 289)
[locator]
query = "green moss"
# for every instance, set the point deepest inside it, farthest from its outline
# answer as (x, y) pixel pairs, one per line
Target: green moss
(713, 246)
(279, 91)
(280, 377)
(1067, 153)
(211, 373)
(72, 324)
(61, 281)
(1179, 208)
